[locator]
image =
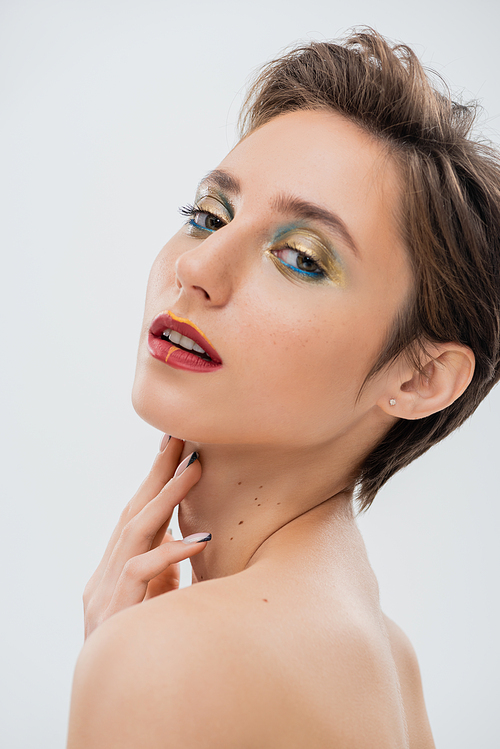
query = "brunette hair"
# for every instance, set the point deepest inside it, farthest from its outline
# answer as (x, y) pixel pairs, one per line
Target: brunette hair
(450, 216)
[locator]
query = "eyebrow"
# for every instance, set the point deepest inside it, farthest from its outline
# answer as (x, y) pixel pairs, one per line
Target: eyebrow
(287, 204)
(222, 180)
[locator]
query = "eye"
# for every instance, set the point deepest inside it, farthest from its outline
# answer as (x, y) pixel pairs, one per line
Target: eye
(299, 262)
(202, 220)
(205, 220)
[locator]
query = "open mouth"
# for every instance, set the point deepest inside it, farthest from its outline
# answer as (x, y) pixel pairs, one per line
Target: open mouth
(178, 342)
(184, 343)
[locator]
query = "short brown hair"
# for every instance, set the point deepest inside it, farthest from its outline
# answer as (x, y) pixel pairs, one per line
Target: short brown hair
(450, 215)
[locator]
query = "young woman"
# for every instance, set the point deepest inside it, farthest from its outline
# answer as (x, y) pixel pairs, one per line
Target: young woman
(329, 311)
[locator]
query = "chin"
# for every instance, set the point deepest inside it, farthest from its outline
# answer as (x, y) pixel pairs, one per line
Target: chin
(165, 410)
(152, 408)
(204, 415)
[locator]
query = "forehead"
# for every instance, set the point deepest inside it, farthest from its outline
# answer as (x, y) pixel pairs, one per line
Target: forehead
(307, 145)
(322, 157)
(328, 161)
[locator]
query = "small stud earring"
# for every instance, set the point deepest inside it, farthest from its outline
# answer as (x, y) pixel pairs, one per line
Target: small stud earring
(392, 402)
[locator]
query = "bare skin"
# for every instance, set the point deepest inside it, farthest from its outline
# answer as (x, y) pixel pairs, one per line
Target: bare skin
(281, 641)
(292, 651)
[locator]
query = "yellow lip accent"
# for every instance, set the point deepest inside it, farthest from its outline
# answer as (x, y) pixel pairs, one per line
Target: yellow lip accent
(170, 352)
(184, 319)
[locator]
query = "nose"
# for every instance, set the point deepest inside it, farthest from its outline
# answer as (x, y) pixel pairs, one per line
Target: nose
(211, 269)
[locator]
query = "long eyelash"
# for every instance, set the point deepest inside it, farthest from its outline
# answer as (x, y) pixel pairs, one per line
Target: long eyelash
(189, 210)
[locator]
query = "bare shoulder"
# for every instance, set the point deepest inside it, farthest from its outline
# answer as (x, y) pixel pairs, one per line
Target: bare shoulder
(219, 664)
(230, 663)
(403, 652)
(163, 674)
(410, 681)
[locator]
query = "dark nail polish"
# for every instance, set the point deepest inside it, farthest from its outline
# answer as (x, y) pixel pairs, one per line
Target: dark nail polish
(164, 442)
(193, 457)
(186, 463)
(197, 538)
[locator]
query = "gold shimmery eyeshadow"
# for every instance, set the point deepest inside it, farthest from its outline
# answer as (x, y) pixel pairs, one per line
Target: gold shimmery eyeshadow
(307, 243)
(215, 205)
(209, 204)
(296, 238)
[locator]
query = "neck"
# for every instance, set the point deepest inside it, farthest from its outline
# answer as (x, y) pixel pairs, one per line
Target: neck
(251, 498)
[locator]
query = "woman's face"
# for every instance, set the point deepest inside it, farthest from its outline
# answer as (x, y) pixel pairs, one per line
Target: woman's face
(291, 265)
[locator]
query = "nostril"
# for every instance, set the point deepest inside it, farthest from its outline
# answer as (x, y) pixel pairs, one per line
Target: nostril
(207, 295)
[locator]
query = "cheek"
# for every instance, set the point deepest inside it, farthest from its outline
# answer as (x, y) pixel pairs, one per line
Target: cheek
(304, 369)
(162, 279)
(162, 273)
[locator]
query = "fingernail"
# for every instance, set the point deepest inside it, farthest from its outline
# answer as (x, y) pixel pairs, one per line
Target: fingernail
(197, 538)
(185, 463)
(164, 442)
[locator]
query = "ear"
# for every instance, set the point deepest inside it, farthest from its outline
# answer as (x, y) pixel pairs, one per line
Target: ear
(445, 375)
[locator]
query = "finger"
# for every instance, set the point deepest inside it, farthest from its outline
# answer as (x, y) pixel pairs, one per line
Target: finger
(164, 534)
(161, 472)
(165, 582)
(138, 535)
(170, 578)
(133, 582)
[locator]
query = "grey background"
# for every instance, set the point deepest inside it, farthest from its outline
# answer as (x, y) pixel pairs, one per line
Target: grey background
(110, 113)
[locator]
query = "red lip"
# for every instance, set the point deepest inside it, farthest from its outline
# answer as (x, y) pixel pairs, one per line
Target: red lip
(177, 357)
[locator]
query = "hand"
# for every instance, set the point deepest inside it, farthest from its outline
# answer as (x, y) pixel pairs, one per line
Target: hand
(141, 559)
